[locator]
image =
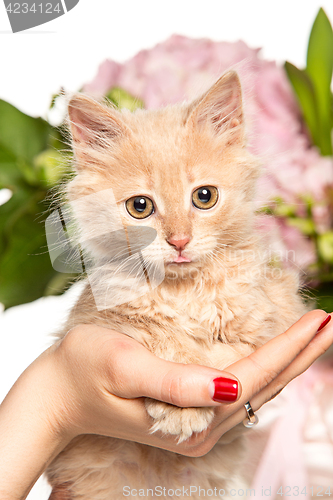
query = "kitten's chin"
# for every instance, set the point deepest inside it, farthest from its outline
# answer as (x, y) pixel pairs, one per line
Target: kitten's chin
(181, 270)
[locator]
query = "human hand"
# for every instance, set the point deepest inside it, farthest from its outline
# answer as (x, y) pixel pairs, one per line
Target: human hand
(121, 371)
(94, 382)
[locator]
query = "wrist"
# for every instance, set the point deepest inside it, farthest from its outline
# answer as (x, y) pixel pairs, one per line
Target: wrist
(33, 427)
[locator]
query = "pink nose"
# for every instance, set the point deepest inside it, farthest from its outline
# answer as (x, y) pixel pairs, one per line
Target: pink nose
(179, 242)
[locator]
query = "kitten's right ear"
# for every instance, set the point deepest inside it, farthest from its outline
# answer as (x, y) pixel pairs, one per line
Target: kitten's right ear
(93, 124)
(220, 109)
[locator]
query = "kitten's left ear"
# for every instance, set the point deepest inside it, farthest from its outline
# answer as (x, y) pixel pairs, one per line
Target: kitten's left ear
(221, 109)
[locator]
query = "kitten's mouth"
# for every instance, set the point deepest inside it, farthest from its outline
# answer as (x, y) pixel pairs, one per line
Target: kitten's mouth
(180, 259)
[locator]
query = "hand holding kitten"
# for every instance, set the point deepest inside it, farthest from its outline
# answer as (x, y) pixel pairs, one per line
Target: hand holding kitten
(92, 382)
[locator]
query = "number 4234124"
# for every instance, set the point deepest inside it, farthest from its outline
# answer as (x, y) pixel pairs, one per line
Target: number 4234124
(23, 8)
(295, 491)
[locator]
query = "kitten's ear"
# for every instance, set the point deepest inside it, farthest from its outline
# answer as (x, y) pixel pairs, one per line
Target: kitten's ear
(221, 109)
(93, 124)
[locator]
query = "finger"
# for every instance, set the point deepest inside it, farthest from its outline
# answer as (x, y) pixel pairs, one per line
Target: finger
(264, 365)
(302, 332)
(316, 348)
(136, 372)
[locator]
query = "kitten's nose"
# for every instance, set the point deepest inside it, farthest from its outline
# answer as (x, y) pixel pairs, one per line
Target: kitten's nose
(179, 242)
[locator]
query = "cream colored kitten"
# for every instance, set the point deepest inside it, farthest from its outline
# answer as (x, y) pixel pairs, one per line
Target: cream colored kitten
(185, 172)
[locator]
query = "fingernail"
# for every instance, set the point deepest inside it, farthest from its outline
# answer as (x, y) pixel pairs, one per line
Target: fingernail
(225, 390)
(324, 323)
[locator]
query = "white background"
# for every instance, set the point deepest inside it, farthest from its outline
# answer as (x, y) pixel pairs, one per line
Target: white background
(67, 51)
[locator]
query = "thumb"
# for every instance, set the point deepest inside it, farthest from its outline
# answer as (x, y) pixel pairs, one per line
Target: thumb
(138, 372)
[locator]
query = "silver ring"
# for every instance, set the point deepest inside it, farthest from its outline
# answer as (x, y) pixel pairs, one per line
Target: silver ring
(251, 419)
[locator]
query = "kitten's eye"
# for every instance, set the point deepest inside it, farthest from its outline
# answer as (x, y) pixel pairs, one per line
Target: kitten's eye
(205, 197)
(140, 207)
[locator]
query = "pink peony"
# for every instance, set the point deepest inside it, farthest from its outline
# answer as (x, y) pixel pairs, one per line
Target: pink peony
(180, 68)
(291, 247)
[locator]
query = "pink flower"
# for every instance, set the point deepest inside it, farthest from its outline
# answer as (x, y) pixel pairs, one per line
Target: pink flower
(180, 68)
(172, 71)
(108, 72)
(322, 218)
(286, 243)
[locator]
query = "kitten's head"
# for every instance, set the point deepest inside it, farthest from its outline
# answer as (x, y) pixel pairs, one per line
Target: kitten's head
(183, 170)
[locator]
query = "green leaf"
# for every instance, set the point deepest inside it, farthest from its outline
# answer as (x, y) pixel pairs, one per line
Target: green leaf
(306, 226)
(10, 174)
(265, 210)
(123, 99)
(323, 296)
(49, 164)
(60, 283)
(285, 210)
(325, 246)
(319, 69)
(305, 94)
(26, 272)
(28, 166)
(25, 267)
(20, 134)
(22, 137)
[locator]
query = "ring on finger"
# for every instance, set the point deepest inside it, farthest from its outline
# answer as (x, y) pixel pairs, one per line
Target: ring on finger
(251, 420)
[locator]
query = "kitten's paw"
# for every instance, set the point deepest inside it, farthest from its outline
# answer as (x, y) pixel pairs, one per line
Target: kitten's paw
(181, 422)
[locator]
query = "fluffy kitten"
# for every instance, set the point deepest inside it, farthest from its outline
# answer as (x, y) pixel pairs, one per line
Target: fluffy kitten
(187, 174)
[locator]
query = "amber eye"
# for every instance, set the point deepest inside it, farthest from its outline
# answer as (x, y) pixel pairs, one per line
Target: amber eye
(140, 207)
(205, 197)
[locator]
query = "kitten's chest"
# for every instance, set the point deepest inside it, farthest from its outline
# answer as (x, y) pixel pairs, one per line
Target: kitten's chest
(203, 316)
(195, 328)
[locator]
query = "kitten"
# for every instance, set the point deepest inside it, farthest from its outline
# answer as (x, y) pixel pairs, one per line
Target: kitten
(185, 172)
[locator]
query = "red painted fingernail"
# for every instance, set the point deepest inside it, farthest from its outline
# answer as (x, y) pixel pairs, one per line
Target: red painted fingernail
(225, 390)
(324, 323)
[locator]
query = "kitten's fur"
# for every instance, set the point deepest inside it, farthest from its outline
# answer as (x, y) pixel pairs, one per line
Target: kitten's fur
(231, 306)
